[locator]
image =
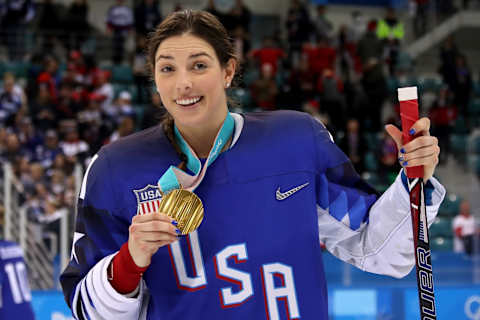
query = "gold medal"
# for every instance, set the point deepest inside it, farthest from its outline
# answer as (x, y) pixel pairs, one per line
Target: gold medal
(185, 207)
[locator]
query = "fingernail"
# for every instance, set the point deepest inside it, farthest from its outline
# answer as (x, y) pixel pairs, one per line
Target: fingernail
(178, 231)
(175, 223)
(400, 159)
(402, 150)
(405, 163)
(411, 132)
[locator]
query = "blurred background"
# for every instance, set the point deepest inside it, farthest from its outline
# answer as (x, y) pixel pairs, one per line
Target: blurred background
(73, 78)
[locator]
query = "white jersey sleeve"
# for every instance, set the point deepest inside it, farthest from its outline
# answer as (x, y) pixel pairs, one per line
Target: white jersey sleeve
(384, 245)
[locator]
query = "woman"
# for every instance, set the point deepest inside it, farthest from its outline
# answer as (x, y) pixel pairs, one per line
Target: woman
(276, 183)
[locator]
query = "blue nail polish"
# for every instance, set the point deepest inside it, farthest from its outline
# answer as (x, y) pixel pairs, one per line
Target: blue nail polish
(411, 132)
(402, 150)
(405, 163)
(175, 223)
(400, 159)
(178, 231)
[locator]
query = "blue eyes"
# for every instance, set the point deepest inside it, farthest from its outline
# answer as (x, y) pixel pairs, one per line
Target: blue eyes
(197, 67)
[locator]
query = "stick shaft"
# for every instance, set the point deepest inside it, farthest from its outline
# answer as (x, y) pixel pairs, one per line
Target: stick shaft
(423, 262)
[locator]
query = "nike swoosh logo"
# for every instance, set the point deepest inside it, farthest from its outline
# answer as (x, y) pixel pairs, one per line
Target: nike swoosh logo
(284, 195)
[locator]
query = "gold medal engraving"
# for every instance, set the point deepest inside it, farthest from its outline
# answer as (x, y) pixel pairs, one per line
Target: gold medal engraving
(185, 207)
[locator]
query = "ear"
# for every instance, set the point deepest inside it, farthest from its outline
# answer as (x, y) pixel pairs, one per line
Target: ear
(230, 71)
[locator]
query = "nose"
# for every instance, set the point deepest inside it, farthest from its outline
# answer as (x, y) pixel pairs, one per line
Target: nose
(184, 82)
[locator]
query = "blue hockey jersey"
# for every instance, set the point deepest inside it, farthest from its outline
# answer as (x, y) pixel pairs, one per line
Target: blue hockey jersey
(281, 188)
(14, 287)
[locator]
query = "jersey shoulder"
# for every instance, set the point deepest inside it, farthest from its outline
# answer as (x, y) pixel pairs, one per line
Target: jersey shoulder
(10, 251)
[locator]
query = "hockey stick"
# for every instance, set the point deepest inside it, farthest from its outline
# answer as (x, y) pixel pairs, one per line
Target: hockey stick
(409, 113)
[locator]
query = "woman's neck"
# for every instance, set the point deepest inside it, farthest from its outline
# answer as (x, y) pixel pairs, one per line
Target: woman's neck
(201, 139)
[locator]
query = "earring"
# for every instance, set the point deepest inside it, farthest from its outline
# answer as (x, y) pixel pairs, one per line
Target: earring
(227, 85)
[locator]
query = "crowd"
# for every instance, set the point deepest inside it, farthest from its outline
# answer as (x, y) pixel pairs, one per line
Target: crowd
(345, 77)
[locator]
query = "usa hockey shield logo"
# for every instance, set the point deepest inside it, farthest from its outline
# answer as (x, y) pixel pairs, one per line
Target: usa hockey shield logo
(148, 199)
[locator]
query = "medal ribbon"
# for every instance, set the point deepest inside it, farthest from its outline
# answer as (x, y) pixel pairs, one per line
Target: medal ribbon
(175, 178)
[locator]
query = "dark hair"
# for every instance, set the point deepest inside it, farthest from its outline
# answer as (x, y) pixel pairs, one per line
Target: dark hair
(198, 23)
(201, 24)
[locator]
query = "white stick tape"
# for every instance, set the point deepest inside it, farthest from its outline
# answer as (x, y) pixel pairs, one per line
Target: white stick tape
(408, 93)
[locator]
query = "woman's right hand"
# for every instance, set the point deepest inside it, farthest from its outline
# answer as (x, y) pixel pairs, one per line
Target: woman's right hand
(147, 234)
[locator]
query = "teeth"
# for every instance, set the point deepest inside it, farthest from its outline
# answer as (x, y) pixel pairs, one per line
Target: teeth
(188, 101)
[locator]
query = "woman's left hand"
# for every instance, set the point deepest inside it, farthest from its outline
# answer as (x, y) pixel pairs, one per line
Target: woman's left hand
(421, 151)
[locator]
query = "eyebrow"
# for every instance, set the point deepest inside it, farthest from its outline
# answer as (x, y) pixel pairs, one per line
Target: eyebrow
(192, 56)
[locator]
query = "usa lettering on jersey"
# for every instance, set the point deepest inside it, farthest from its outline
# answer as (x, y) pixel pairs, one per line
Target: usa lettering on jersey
(148, 199)
(233, 296)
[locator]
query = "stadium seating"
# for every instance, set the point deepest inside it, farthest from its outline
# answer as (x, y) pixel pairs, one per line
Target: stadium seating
(441, 227)
(19, 69)
(450, 205)
(433, 84)
(458, 143)
(371, 162)
(474, 144)
(474, 163)
(122, 74)
(441, 244)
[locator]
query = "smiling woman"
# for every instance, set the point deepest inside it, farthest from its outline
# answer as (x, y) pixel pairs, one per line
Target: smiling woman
(159, 237)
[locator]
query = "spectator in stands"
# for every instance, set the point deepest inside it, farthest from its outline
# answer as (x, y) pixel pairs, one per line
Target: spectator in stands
(269, 53)
(28, 135)
(332, 99)
(464, 229)
(124, 106)
(42, 109)
(119, 23)
(374, 86)
(448, 57)
(49, 25)
(90, 121)
(391, 31)
(147, 17)
(76, 72)
(346, 52)
(462, 85)
(312, 107)
(353, 144)
(370, 46)
(67, 105)
(241, 40)
(140, 71)
(298, 27)
(388, 166)
(153, 112)
(265, 89)
(390, 28)
(33, 175)
(211, 7)
(104, 89)
(323, 26)
(239, 17)
(46, 153)
(301, 82)
(357, 26)
(442, 114)
(3, 139)
(125, 128)
(73, 147)
(420, 20)
(12, 100)
(17, 13)
(76, 24)
(50, 76)
(445, 8)
(321, 56)
(13, 149)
